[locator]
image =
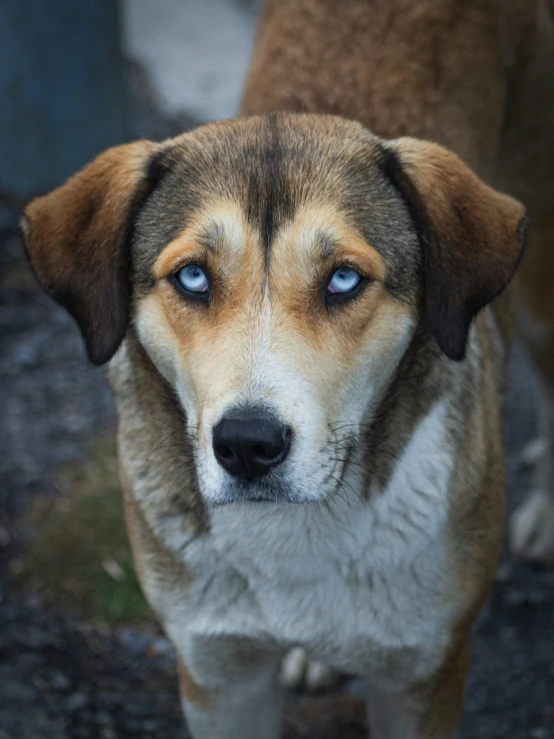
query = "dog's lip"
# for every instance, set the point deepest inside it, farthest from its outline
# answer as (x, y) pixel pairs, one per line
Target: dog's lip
(245, 497)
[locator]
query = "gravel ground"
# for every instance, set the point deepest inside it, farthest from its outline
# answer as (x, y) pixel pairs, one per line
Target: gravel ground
(60, 679)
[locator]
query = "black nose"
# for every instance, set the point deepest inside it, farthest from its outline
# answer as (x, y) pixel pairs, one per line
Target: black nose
(248, 445)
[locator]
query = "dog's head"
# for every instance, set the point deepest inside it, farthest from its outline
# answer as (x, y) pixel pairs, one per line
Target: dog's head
(275, 270)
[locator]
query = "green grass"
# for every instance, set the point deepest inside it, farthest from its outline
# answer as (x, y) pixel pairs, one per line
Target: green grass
(79, 557)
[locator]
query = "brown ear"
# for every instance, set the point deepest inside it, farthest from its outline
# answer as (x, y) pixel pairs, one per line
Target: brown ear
(78, 242)
(472, 237)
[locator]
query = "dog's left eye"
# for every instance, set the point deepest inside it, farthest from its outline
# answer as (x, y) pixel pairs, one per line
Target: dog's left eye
(344, 282)
(193, 281)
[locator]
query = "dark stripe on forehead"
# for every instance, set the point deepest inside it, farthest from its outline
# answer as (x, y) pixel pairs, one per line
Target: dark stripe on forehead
(267, 166)
(273, 166)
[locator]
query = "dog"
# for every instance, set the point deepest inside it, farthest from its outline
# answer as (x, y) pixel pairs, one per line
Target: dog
(307, 312)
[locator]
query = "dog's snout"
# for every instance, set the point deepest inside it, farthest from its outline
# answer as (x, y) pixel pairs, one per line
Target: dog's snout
(249, 445)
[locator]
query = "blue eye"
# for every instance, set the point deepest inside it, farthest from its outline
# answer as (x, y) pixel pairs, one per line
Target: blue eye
(343, 281)
(194, 281)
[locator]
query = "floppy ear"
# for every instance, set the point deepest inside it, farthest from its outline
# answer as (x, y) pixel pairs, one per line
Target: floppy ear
(472, 237)
(78, 242)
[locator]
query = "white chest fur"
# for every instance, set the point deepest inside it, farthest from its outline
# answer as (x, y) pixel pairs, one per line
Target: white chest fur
(353, 582)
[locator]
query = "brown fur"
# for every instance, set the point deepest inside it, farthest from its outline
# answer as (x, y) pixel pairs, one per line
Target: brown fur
(428, 69)
(80, 229)
(474, 76)
(458, 245)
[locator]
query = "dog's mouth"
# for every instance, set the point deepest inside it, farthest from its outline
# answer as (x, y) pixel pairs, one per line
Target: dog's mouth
(260, 493)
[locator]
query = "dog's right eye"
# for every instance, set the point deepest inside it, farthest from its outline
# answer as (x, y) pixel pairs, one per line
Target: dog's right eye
(192, 281)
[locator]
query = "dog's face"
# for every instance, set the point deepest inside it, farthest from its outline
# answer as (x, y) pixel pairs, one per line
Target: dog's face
(269, 309)
(280, 267)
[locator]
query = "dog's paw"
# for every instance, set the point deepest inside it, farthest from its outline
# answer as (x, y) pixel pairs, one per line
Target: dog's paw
(531, 528)
(534, 451)
(297, 671)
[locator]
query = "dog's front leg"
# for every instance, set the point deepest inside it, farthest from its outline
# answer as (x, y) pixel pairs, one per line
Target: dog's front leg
(229, 690)
(432, 709)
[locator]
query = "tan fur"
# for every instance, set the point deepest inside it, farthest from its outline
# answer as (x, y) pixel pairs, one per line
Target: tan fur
(194, 694)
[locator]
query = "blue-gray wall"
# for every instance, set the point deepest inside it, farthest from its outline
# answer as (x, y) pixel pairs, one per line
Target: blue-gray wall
(61, 89)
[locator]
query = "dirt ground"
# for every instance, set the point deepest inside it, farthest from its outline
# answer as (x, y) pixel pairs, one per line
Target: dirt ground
(63, 679)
